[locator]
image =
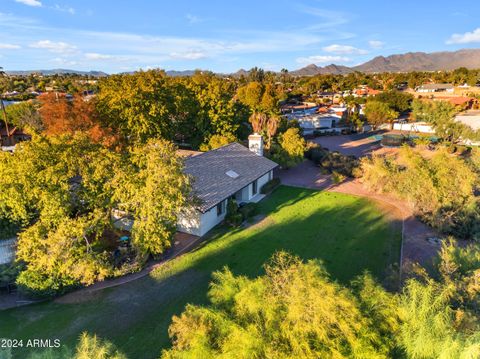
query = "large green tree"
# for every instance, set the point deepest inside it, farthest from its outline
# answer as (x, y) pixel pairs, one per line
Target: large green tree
(378, 113)
(154, 189)
(293, 311)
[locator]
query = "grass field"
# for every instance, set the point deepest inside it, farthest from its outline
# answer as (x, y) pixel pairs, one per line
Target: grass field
(349, 234)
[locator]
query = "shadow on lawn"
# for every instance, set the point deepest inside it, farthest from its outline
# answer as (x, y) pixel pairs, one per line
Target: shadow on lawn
(136, 316)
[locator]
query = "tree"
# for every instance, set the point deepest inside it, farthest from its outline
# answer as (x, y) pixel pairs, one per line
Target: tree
(153, 188)
(441, 115)
(147, 105)
(58, 191)
(25, 115)
(293, 311)
(61, 116)
(92, 347)
(272, 127)
(258, 121)
(290, 150)
(396, 100)
(251, 95)
(217, 141)
(378, 113)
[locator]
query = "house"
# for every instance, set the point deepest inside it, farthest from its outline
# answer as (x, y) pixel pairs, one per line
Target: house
(470, 118)
(429, 88)
(231, 171)
(325, 120)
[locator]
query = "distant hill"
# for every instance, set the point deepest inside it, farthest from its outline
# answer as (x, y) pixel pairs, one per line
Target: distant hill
(313, 69)
(57, 72)
(175, 73)
(411, 61)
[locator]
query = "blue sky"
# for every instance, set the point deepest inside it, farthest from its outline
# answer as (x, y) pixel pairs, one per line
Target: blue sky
(224, 36)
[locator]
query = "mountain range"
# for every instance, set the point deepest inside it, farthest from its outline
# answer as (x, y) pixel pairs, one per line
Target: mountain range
(411, 61)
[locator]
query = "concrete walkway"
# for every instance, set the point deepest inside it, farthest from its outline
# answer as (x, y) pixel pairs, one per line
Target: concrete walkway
(415, 247)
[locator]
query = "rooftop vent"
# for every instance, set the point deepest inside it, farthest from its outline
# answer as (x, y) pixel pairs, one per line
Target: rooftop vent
(232, 174)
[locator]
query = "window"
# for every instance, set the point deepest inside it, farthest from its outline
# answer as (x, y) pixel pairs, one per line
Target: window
(220, 208)
(254, 188)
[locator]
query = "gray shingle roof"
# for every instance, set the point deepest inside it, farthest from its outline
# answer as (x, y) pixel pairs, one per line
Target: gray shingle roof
(211, 183)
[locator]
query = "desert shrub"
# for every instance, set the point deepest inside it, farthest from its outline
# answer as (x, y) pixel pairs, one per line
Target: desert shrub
(441, 188)
(337, 177)
(270, 186)
(315, 152)
(331, 161)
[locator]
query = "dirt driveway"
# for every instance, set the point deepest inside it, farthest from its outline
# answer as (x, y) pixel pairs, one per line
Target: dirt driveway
(415, 247)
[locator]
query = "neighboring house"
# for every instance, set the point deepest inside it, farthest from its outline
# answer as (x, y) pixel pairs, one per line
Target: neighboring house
(470, 118)
(231, 171)
(327, 121)
(429, 88)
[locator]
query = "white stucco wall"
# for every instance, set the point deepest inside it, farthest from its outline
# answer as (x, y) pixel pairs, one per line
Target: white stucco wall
(194, 222)
(209, 219)
(421, 127)
(263, 180)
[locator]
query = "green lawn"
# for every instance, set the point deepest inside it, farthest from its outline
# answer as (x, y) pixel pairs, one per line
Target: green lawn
(349, 234)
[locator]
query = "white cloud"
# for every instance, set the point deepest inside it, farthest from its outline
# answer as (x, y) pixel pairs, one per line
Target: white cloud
(36, 3)
(189, 55)
(96, 56)
(57, 47)
(68, 9)
(193, 19)
(321, 59)
(9, 46)
(344, 50)
(375, 44)
(61, 61)
(466, 38)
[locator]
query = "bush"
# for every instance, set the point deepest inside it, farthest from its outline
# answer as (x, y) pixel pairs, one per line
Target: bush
(9, 273)
(332, 161)
(337, 177)
(248, 210)
(441, 188)
(316, 153)
(233, 217)
(270, 186)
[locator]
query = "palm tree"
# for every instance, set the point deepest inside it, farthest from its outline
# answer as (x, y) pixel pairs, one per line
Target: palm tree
(272, 127)
(258, 121)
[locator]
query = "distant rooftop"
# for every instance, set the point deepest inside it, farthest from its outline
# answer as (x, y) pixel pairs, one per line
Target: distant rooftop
(436, 86)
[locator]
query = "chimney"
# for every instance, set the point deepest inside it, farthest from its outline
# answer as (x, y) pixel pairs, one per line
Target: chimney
(255, 144)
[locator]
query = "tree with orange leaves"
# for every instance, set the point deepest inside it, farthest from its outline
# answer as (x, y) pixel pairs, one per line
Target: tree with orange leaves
(61, 115)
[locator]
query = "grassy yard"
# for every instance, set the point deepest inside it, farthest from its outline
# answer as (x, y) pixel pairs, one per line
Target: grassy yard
(349, 234)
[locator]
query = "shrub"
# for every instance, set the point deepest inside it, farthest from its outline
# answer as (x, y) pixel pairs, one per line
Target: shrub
(441, 188)
(337, 177)
(248, 210)
(270, 186)
(233, 217)
(315, 153)
(9, 273)
(331, 161)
